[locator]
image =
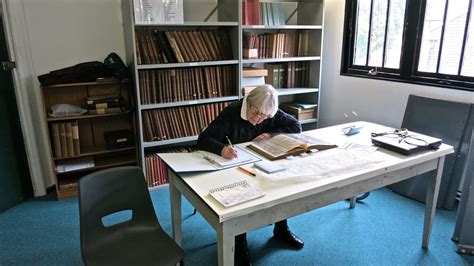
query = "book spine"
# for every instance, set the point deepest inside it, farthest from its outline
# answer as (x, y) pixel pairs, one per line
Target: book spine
(75, 138)
(113, 110)
(62, 139)
(56, 140)
(69, 141)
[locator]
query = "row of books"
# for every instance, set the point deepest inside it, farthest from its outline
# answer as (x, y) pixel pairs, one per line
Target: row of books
(160, 47)
(182, 84)
(105, 104)
(288, 75)
(155, 168)
(278, 45)
(178, 122)
(255, 13)
(65, 139)
(156, 172)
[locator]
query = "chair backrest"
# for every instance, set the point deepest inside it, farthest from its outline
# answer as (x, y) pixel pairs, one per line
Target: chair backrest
(441, 119)
(110, 191)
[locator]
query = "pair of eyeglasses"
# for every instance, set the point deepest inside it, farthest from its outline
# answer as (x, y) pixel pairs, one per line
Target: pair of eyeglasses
(403, 136)
(255, 113)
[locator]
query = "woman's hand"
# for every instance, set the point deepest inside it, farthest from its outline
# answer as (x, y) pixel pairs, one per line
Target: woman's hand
(262, 136)
(228, 152)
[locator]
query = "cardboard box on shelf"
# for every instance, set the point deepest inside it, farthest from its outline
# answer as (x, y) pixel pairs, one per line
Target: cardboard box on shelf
(298, 112)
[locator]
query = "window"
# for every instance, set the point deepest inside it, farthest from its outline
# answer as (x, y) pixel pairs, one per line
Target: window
(428, 42)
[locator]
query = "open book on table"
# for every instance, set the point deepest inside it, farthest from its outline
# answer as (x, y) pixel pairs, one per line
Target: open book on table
(283, 145)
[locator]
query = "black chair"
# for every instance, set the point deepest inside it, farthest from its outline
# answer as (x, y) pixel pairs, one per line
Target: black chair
(139, 240)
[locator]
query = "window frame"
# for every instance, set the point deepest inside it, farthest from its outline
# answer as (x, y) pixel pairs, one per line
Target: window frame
(411, 45)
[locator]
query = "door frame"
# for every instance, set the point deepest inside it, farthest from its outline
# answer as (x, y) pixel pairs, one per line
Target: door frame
(28, 96)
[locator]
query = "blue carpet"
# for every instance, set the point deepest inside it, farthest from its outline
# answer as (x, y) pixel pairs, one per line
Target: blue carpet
(386, 229)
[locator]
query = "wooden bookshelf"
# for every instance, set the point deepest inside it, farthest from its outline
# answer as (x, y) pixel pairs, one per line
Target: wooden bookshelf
(89, 151)
(198, 65)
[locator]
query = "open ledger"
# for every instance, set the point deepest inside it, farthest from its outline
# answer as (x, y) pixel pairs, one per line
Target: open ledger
(235, 193)
(205, 161)
(283, 145)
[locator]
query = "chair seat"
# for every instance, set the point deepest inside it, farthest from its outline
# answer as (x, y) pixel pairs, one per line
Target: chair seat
(136, 247)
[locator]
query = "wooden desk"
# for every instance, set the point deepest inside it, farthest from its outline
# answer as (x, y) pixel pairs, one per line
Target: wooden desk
(290, 199)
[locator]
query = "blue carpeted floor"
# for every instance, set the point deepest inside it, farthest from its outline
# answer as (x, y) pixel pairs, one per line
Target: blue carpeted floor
(385, 230)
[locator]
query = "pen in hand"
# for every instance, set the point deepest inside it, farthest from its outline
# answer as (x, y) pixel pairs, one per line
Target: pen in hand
(232, 146)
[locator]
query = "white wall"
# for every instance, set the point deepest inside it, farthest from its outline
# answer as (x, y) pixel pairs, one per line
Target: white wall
(67, 32)
(59, 34)
(375, 101)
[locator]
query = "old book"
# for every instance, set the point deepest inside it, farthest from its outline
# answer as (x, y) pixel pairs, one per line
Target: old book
(75, 138)
(284, 145)
(69, 142)
(103, 99)
(254, 72)
(113, 110)
(56, 141)
(62, 139)
(103, 105)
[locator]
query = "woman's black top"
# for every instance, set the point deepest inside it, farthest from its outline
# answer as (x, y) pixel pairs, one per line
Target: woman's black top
(230, 124)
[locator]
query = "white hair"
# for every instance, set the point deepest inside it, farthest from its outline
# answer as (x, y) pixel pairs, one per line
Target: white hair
(265, 99)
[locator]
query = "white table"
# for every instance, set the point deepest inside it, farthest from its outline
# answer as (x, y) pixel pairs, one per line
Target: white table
(283, 201)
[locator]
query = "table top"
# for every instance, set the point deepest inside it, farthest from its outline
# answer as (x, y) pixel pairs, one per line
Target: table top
(284, 190)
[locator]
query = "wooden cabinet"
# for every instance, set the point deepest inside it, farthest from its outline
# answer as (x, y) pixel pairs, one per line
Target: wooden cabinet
(186, 73)
(77, 141)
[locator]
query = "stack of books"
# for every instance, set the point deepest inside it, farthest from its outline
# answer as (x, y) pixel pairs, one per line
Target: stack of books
(106, 104)
(252, 77)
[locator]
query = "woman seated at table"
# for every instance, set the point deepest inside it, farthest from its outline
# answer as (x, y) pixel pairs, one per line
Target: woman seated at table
(254, 118)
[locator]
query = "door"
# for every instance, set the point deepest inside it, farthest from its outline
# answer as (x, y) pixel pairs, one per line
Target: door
(15, 181)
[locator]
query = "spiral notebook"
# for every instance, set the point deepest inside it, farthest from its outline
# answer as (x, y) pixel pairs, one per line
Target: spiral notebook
(235, 193)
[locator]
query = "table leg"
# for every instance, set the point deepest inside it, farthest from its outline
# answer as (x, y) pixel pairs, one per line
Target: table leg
(431, 200)
(352, 202)
(175, 202)
(225, 246)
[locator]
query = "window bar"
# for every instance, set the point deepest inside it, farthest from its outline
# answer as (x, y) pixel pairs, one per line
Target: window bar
(369, 33)
(466, 29)
(386, 31)
(442, 35)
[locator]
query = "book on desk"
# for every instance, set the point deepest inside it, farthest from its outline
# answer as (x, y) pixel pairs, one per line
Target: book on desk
(236, 193)
(283, 145)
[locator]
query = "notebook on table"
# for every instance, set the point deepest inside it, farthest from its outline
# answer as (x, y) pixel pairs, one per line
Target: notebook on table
(235, 193)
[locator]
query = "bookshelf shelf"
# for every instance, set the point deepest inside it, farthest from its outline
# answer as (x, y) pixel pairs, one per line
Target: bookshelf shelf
(192, 24)
(79, 117)
(189, 64)
(91, 151)
(282, 27)
(169, 142)
(293, 91)
(174, 107)
(77, 143)
(284, 59)
(187, 103)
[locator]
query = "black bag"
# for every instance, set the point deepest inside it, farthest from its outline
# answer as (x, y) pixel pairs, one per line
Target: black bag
(118, 139)
(83, 72)
(115, 63)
